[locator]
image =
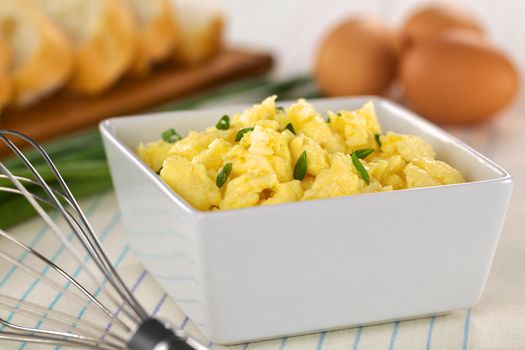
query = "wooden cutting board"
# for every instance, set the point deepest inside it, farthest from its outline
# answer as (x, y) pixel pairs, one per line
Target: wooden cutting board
(65, 112)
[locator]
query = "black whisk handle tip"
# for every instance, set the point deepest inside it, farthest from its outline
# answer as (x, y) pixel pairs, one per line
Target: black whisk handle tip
(152, 334)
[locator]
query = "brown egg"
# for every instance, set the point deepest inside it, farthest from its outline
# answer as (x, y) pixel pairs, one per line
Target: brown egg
(434, 20)
(358, 57)
(457, 77)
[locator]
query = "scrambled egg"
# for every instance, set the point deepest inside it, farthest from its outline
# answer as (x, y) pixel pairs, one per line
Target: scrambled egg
(270, 155)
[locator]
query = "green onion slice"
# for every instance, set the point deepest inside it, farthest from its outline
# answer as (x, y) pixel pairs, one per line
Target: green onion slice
(223, 175)
(290, 127)
(378, 139)
(171, 136)
(223, 123)
(360, 168)
(241, 133)
(363, 153)
(299, 171)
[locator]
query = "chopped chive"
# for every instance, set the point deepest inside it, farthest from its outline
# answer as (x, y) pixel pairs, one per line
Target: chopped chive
(290, 127)
(299, 171)
(158, 171)
(223, 175)
(241, 133)
(363, 153)
(360, 168)
(328, 120)
(339, 114)
(378, 139)
(223, 123)
(280, 109)
(171, 136)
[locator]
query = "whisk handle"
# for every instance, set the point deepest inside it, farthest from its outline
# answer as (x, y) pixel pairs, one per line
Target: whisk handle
(152, 334)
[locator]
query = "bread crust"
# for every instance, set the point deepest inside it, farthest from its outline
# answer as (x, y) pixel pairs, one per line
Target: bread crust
(199, 45)
(103, 59)
(156, 40)
(50, 65)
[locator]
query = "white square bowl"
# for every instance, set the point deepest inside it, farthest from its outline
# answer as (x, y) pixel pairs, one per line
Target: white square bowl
(301, 267)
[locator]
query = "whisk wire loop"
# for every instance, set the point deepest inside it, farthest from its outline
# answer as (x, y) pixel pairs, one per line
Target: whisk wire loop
(70, 336)
(90, 241)
(55, 318)
(62, 273)
(135, 331)
(49, 340)
(41, 199)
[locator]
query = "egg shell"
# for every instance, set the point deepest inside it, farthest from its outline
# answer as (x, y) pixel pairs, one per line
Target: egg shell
(358, 57)
(434, 20)
(458, 78)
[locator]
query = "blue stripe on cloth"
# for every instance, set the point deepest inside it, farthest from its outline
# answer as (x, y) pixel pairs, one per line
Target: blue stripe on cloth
(393, 338)
(119, 260)
(133, 288)
(320, 341)
(357, 338)
(430, 332)
(184, 323)
(87, 258)
(157, 307)
(466, 329)
(105, 234)
(82, 312)
(245, 346)
(41, 233)
(282, 345)
(44, 229)
(93, 207)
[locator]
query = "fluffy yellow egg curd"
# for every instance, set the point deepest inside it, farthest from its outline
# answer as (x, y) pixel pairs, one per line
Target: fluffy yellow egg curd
(270, 155)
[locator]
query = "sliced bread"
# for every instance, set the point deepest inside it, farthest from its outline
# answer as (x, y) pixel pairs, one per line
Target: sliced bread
(41, 55)
(157, 32)
(103, 36)
(200, 26)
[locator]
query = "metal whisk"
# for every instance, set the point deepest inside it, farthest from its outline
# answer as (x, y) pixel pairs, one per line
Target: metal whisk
(100, 291)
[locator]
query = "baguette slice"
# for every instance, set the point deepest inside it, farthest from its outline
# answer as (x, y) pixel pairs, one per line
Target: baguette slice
(41, 55)
(5, 76)
(157, 34)
(201, 26)
(103, 35)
